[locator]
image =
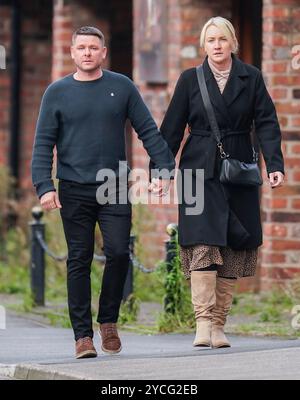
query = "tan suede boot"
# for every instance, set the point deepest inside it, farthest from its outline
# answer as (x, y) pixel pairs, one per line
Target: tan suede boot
(203, 287)
(224, 296)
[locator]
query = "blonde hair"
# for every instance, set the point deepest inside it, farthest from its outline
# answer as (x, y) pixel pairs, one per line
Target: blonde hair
(226, 27)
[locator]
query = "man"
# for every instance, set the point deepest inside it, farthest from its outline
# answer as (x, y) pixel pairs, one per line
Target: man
(84, 115)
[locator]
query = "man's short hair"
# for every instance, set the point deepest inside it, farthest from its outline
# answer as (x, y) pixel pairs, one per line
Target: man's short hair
(88, 30)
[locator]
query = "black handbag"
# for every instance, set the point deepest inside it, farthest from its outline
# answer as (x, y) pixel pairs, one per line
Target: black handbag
(233, 172)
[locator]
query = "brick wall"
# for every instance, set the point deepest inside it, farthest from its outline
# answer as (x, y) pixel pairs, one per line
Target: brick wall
(281, 207)
(35, 75)
(36, 59)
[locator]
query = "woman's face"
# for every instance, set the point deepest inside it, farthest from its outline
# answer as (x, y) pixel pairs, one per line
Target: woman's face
(217, 46)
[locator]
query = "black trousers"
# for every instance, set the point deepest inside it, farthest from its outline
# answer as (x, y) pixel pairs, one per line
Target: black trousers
(80, 212)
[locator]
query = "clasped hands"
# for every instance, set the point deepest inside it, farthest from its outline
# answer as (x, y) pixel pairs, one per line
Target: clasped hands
(159, 187)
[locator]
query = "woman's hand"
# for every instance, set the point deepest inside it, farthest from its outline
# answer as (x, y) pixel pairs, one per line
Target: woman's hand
(276, 179)
(159, 187)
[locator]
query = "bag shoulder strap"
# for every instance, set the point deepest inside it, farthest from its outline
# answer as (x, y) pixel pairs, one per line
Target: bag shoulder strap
(207, 104)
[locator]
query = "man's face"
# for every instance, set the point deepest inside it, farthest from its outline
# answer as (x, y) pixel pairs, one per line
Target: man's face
(88, 52)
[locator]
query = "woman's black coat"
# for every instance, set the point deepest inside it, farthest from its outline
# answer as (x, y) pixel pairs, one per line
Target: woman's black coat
(231, 214)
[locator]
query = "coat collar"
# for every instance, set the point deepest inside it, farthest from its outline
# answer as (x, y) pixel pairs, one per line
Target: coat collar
(234, 86)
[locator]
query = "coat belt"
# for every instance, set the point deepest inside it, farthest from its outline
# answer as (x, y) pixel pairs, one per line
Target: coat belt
(224, 132)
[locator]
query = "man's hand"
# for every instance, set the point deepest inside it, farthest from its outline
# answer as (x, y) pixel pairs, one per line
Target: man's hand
(50, 201)
(276, 179)
(159, 187)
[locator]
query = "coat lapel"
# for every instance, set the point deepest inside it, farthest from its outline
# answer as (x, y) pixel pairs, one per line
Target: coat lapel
(214, 91)
(236, 82)
(234, 86)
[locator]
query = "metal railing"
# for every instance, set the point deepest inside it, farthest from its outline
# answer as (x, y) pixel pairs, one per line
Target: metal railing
(39, 249)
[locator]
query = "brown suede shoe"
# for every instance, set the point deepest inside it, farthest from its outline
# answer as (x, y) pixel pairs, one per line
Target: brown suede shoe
(85, 348)
(111, 342)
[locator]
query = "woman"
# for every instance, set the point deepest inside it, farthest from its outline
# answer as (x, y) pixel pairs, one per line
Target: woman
(208, 241)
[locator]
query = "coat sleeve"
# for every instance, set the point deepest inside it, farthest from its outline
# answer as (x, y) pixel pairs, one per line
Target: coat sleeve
(267, 128)
(176, 117)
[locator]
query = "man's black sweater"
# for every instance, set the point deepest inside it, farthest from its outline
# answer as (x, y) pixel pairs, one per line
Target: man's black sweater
(86, 122)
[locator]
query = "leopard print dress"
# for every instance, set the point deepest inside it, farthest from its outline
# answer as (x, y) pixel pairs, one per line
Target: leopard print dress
(231, 263)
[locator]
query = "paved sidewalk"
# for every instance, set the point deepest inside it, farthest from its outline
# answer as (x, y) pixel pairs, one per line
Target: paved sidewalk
(30, 350)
